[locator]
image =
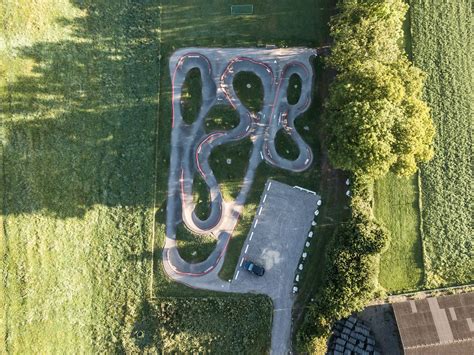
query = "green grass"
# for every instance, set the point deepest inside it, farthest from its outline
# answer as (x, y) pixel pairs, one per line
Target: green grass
(175, 325)
(81, 87)
(441, 38)
(285, 146)
(79, 95)
(194, 248)
(230, 176)
(396, 206)
(294, 89)
(201, 197)
(249, 90)
(221, 118)
(191, 96)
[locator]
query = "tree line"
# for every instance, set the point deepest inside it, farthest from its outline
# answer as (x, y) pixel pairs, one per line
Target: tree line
(375, 122)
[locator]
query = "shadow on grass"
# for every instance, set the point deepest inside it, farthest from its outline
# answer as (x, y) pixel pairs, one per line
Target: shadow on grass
(80, 130)
(145, 332)
(191, 96)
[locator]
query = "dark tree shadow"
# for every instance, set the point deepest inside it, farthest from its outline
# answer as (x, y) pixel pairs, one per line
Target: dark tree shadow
(81, 128)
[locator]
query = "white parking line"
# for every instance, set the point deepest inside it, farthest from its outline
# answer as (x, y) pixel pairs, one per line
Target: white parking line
(251, 236)
(241, 262)
(237, 274)
(261, 155)
(269, 184)
(246, 130)
(306, 161)
(208, 269)
(260, 210)
(264, 198)
(256, 221)
(246, 248)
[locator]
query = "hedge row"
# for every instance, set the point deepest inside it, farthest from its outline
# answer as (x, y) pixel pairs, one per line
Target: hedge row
(351, 271)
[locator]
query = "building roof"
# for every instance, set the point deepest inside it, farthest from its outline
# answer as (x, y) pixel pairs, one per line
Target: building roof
(437, 325)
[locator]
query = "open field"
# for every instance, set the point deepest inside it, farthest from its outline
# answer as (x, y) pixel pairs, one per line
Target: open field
(191, 99)
(396, 206)
(175, 325)
(221, 118)
(192, 247)
(79, 93)
(201, 197)
(442, 42)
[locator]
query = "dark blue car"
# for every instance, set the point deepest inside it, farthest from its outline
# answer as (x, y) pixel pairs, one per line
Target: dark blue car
(253, 268)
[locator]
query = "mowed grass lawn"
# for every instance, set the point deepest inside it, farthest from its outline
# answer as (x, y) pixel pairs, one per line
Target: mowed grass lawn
(442, 47)
(396, 206)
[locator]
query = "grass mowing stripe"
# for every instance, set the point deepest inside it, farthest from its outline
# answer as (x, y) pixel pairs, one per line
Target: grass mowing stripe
(395, 205)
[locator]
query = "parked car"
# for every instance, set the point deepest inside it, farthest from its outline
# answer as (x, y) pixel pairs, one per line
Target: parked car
(253, 268)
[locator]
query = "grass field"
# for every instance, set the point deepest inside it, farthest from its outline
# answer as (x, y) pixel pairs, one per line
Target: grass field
(396, 206)
(442, 42)
(176, 325)
(201, 197)
(191, 97)
(294, 89)
(221, 118)
(79, 106)
(192, 247)
(81, 86)
(78, 111)
(249, 90)
(230, 176)
(286, 146)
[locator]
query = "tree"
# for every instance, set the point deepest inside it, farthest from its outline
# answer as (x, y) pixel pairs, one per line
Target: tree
(376, 120)
(365, 30)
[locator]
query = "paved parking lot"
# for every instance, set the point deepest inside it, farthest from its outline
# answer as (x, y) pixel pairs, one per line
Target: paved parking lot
(276, 240)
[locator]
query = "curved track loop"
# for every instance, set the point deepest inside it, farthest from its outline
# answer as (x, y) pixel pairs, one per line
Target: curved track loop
(192, 146)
